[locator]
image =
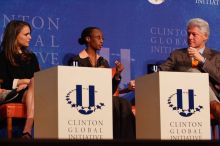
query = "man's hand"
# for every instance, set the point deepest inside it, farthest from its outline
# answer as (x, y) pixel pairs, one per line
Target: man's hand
(194, 53)
(131, 85)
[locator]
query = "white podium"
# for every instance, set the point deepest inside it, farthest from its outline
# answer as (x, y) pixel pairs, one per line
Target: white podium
(173, 106)
(73, 103)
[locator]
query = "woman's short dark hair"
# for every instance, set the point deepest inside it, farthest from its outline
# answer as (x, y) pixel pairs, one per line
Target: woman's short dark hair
(85, 33)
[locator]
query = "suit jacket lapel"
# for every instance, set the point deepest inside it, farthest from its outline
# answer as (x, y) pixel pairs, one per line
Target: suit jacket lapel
(207, 53)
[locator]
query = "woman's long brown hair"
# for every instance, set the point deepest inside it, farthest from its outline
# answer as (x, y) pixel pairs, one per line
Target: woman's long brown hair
(9, 42)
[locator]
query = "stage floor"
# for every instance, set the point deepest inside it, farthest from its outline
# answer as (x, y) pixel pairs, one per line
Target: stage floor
(19, 142)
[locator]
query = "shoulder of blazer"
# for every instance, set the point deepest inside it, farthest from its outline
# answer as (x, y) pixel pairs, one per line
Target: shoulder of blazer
(210, 52)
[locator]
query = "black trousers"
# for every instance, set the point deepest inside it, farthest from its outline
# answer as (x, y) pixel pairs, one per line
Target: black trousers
(123, 120)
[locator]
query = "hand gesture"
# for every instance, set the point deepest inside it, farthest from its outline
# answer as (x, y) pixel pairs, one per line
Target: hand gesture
(194, 53)
(119, 67)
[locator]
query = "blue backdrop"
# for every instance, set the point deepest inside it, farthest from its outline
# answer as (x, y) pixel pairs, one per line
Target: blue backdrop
(137, 32)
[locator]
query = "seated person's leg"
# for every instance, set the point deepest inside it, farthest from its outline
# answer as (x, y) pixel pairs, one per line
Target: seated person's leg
(28, 99)
(116, 118)
(127, 119)
(123, 119)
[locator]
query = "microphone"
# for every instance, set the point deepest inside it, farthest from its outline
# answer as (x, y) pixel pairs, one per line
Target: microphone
(75, 63)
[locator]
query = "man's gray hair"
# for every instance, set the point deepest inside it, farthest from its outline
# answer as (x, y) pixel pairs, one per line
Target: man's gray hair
(200, 23)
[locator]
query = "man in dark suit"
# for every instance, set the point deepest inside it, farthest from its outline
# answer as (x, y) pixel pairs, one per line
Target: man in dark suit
(197, 57)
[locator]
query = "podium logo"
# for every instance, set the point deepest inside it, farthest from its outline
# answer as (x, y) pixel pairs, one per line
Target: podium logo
(75, 99)
(175, 102)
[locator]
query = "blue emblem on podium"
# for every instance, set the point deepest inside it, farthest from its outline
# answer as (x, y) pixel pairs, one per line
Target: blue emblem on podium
(178, 106)
(77, 100)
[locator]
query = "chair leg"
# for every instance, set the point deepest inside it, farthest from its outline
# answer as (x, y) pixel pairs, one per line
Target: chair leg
(9, 127)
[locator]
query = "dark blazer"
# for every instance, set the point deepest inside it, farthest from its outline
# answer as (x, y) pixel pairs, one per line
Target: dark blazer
(179, 60)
